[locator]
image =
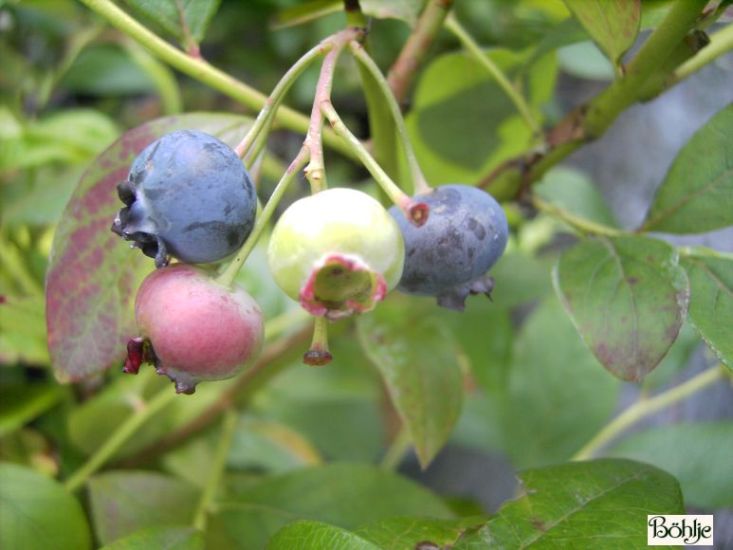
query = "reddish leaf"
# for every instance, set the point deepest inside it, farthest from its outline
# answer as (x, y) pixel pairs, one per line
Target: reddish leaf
(92, 272)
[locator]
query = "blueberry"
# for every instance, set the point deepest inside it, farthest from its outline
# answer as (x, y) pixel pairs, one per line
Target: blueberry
(449, 256)
(337, 252)
(193, 328)
(189, 196)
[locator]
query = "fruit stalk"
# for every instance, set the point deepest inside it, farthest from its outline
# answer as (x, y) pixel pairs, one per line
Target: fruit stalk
(419, 183)
(267, 115)
(228, 275)
(315, 172)
(415, 212)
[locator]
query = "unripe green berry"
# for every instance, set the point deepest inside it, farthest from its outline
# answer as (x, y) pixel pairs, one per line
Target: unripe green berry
(337, 252)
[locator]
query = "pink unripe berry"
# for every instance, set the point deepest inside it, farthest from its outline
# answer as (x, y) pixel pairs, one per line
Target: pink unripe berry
(197, 328)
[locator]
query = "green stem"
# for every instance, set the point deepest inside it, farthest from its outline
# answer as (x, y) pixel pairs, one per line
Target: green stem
(419, 183)
(588, 123)
(647, 407)
(119, 437)
(604, 109)
(285, 322)
(380, 176)
(416, 48)
(721, 42)
(452, 24)
(202, 71)
(267, 114)
(228, 275)
(578, 223)
(228, 427)
(354, 15)
(397, 450)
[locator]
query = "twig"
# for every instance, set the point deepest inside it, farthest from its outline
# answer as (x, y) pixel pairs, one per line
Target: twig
(218, 466)
(202, 71)
(452, 24)
(578, 223)
(416, 48)
(721, 43)
(647, 407)
(590, 121)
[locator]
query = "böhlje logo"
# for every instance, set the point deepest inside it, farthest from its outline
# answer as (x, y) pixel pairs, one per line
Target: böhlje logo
(679, 530)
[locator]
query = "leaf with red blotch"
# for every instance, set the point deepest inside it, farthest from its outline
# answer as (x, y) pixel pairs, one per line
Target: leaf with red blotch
(92, 273)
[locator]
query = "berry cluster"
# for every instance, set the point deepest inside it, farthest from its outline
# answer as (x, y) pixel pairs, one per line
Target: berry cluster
(337, 252)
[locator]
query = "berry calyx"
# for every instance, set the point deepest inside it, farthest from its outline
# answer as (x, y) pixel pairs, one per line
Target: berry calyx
(193, 328)
(449, 255)
(337, 252)
(189, 196)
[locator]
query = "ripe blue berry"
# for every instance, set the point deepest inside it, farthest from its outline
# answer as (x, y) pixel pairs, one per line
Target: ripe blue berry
(449, 256)
(188, 195)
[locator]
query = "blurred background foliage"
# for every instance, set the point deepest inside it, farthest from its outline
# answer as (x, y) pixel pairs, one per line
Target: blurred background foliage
(526, 391)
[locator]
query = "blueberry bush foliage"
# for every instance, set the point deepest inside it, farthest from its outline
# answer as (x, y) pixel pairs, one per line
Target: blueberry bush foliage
(593, 329)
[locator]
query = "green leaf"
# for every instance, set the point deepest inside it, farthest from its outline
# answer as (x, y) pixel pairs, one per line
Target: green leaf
(345, 495)
(520, 278)
(48, 140)
(186, 20)
(406, 10)
(558, 397)
(36, 513)
(314, 535)
(416, 357)
(124, 502)
(698, 455)
(698, 190)
(107, 70)
(485, 335)
(22, 334)
(303, 12)
(160, 538)
(585, 60)
(600, 504)
(613, 24)
(711, 302)
(22, 403)
(270, 446)
(572, 191)
(628, 298)
(459, 135)
(337, 409)
(92, 273)
(404, 532)
(677, 358)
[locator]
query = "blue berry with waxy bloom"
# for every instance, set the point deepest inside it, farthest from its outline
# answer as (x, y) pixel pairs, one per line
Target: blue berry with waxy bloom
(449, 256)
(189, 196)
